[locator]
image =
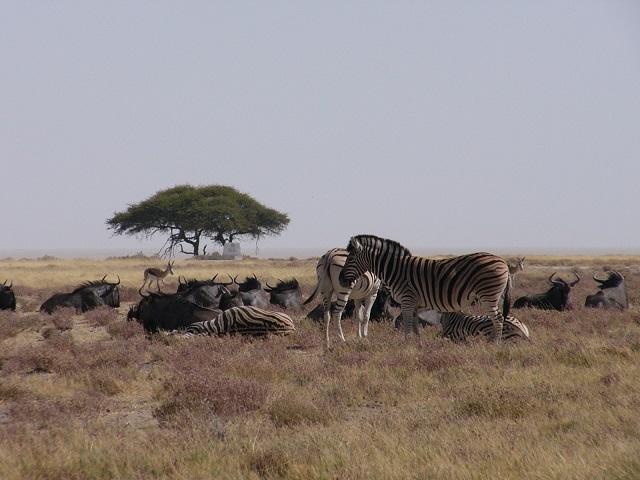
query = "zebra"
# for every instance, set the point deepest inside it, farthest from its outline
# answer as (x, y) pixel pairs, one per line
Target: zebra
(458, 326)
(448, 285)
(244, 321)
(365, 288)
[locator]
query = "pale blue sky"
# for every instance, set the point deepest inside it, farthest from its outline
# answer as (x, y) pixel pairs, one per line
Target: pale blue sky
(444, 125)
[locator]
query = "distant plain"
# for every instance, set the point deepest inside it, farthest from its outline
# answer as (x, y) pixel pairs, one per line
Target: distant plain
(87, 396)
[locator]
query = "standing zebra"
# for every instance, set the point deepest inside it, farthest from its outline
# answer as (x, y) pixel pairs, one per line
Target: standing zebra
(448, 285)
(458, 327)
(244, 321)
(365, 288)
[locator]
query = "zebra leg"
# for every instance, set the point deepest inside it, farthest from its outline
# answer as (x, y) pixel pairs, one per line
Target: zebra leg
(327, 316)
(358, 312)
(498, 322)
(337, 314)
(368, 303)
(410, 322)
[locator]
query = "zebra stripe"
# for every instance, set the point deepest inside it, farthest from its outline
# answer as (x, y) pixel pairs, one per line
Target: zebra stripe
(244, 321)
(365, 288)
(458, 326)
(449, 285)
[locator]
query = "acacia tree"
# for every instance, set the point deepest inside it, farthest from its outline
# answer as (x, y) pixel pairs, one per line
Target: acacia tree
(189, 214)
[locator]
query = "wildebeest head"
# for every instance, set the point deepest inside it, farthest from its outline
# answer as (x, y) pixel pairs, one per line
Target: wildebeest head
(206, 293)
(556, 298)
(612, 292)
(86, 296)
(285, 294)
(7, 297)
(162, 311)
(108, 292)
(251, 292)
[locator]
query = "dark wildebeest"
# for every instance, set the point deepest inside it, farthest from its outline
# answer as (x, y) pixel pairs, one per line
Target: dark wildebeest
(556, 298)
(168, 311)
(248, 293)
(206, 293)
(612, 293)
(285, 294)
(252, 293)
(7, 297)
(86, 296)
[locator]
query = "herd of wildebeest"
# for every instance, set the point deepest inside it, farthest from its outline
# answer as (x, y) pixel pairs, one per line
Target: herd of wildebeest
(247, 303)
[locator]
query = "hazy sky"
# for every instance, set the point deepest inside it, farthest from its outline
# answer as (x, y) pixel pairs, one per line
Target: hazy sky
(446, 125)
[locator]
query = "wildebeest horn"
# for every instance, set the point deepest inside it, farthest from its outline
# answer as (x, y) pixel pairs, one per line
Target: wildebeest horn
(555, 282)
(213, 279)
(577, 280)
(102, 281)
(118, 280)
(269, 286)
(141, 294)
(597, 279)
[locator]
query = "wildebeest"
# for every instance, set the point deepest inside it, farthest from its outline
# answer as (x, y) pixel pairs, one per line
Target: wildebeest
(206, 293)
(612, 292)
(556, 298)
(285, 294)
(86, 296)
(168, 311)
(252, 293)
(7, 297)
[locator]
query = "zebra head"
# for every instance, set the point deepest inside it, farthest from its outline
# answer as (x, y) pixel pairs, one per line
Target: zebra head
(355, 264)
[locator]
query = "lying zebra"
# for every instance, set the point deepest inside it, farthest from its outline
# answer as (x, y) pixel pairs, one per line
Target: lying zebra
(243, 321)
(458, 327)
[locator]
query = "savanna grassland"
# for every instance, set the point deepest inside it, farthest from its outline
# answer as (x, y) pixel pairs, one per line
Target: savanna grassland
(89, 397)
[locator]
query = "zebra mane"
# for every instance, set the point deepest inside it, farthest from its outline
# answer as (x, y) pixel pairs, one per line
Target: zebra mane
(377, 243)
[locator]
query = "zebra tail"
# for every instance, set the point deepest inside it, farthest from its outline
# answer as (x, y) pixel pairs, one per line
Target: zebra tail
(506, 306)
(317, 289)
(314, 293)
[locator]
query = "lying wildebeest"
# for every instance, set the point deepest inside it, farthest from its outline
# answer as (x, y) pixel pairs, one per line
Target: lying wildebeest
(612, 293)
(556, 298)
(168, 311)
(285, 294)
(86, 296)
(244, 321)
(206, 293)
(252, 293)
(7, 297)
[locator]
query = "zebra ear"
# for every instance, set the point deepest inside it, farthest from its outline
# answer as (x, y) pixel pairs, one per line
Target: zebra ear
(356, 244)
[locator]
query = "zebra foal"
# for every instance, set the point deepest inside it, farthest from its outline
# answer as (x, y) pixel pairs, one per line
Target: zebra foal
(448, 285)
(458, 326)
(364, 289)
(244, 321)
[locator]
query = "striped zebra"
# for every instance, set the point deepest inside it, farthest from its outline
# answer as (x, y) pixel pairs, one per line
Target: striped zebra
(244, 321)
(365, 289)
(458, 326)
(448, 285)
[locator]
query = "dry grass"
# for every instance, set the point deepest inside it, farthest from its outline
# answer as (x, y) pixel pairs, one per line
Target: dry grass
(86, 396)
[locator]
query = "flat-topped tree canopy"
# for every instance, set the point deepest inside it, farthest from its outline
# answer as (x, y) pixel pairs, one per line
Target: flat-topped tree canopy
(188, 214)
